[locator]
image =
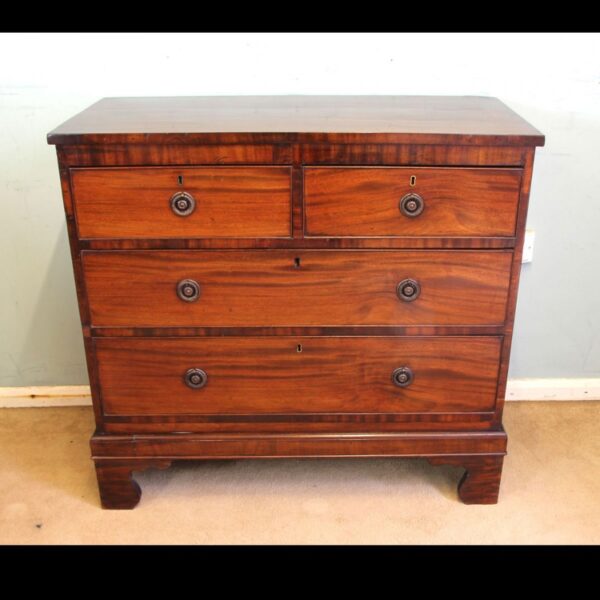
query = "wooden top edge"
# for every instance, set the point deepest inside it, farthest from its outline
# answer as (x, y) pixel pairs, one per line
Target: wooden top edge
(463, 120)
(290, 138)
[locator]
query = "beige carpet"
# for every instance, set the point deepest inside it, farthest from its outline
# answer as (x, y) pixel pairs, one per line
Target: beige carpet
(550, 491)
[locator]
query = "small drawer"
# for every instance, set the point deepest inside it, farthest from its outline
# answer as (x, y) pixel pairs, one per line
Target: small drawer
(283, 375)
(271, 288)
(411, 201)
(182, 202)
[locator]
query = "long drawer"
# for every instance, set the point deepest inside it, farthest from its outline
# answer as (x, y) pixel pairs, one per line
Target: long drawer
(260, 375)
(269, 288)
(182, 202)
(411, 201)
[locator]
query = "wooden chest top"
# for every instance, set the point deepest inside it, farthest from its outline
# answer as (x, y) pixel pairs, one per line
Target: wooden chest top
(464, 120)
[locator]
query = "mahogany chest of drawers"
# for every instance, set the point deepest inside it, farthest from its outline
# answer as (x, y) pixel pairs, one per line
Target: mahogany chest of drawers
(296, 276)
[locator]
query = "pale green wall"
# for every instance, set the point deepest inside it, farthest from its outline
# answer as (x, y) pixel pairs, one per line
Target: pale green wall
(551, 79)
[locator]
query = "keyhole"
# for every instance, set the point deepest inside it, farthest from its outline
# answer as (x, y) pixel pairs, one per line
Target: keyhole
(297, 262)
(413, 180)
(299, 348)
(180, 179)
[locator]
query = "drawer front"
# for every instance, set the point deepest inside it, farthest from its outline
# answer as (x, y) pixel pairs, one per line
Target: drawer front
(368, 201)
(147, 203)
(297, 375)
(268, 288)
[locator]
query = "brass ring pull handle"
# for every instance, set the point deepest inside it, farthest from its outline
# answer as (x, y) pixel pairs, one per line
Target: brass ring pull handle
(412, 205)
(188, 290)
(195, 378)
(402, 376)
(182, 204)
(408, 290)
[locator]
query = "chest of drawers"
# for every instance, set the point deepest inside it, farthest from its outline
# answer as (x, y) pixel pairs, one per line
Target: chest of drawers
(296, 277)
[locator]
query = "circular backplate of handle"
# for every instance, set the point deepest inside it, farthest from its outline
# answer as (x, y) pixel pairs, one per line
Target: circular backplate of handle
(188, 290)
(402, 376)
(183, 204)
(408, 290)
(412, 205)
(195, 378)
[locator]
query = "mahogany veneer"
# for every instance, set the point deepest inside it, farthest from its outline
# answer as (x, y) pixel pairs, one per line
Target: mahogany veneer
(246, 288)
(233, 202)
(279, 374)
(363, 202)
(304, 276)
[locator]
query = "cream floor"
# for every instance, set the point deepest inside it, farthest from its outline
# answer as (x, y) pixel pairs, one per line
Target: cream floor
(550, 491)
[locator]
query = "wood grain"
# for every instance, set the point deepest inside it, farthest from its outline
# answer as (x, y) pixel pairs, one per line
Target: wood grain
(230, 202)
(297, 375)
(79, 279)
(267, 288)
(411, 330)
(514, 282)
(375, 243)
(139, 154)
(331, 423)
(414, 155)
(480, 483)
(247, 445)
(364, 201)
(273, 119)
(118, 489)
(480, 454)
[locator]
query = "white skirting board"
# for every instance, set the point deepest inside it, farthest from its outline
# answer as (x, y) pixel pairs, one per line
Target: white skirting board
(517, 389)
(553, 389)
(45, 395)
